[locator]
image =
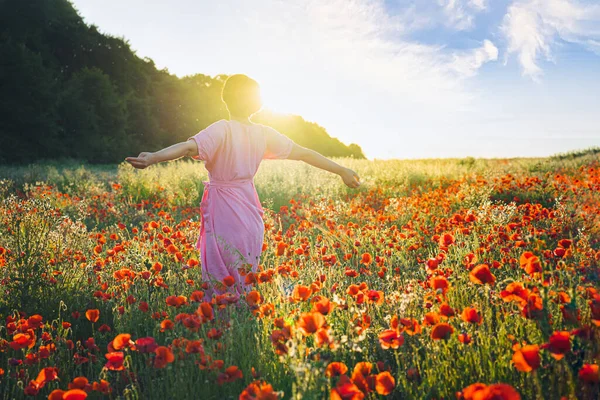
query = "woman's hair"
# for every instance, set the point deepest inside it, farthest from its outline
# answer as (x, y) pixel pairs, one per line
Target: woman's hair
(241, 95)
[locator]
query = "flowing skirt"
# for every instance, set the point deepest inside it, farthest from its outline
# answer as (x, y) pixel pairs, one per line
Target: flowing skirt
(231, 234)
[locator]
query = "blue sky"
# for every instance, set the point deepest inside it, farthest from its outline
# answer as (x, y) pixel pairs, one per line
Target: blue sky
(402, 78)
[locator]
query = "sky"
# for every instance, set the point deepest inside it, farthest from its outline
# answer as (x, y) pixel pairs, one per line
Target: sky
(402, 78)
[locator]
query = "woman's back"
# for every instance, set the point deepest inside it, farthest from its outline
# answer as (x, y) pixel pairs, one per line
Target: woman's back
(233, 150)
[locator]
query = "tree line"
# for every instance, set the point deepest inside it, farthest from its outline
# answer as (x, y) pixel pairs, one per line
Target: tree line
(70, 91)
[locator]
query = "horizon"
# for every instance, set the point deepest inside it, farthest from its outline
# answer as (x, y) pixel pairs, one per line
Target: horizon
(450, 79)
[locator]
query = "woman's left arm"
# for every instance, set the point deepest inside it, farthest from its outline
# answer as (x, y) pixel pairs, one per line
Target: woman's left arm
(316, 159)
(183, 149)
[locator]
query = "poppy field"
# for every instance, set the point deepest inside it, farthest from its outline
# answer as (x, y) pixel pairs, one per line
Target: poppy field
(436, 279)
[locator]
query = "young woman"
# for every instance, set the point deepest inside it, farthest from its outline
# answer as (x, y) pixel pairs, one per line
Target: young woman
(232, 228)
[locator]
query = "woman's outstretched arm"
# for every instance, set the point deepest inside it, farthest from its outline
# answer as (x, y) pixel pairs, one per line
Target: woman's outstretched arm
(315, 159)
(183, 149)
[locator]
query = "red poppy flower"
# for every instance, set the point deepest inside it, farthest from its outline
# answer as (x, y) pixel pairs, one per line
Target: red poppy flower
(441, 331)
(515, 292)
(527, 358)
(176, 301)
(81, 382)
(366, 259)
(390, 339)
(164, 356)
(346, 390)
(231, 374)
(446, 240)
(146, 345)
(530, 263)
(46, 375)
(323, 305)
(56, 394)
(75, 394)
(439, 283)
(259, 390)
(446, 310)
(481, 275)
(498, 391)
(229, 281)
(335, 369)
(92, 315)
(589, 373)
(410, 326)
(384, 383)
(559, 344)
(253, 298)
(206, 311)
(310, 322)
(301, 293)
(115, 361)
(471, 315)
(122, 341)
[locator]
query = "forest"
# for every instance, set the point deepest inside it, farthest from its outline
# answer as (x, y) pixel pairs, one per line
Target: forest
(69, 91)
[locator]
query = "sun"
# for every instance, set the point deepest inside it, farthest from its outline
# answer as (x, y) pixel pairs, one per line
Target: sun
(275, 97)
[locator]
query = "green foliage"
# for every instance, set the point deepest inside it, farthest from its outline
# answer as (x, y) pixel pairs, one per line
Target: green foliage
(93, 118)
(69, 91)
(592, 151)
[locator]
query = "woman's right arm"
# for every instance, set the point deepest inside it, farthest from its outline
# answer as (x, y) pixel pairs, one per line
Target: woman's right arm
(183, 149)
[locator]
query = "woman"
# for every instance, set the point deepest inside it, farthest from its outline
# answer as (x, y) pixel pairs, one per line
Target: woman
(232, 228)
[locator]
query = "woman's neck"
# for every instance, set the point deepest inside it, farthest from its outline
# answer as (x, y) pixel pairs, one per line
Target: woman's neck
(242, 120)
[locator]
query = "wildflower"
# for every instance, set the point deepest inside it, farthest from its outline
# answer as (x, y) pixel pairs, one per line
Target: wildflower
(146, 345)
(498, 391)
(206, 311)
(176, 301)
(164, 356)
(115, 361)
(384, 383)
(122, 341)
(335, 369)
(258, 390)
(346, 390)
(323, 305)
(310, 322)
(559, 344)
(92, 315)
(481, 275)
(301, 293)
(527, 358)
(439, 283)
(471, 315)
(589, 373)
(231, 374)
(441, 330)
(229, 281)
(390, 339)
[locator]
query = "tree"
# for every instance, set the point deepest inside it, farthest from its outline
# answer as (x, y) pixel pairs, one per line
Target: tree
(28, 126)
(93, 118)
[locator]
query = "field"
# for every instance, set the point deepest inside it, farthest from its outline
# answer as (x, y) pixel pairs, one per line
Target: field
(471, 279)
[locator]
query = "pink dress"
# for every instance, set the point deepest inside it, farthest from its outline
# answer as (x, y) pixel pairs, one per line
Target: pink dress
(232, 228)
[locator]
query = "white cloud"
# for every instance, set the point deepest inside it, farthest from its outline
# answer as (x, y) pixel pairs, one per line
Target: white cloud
(533, 28)
(479, 4)
(460, 14)
(468, 63)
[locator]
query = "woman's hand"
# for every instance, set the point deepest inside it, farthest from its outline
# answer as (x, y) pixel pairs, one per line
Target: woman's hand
(350, 178)
(142, 161)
